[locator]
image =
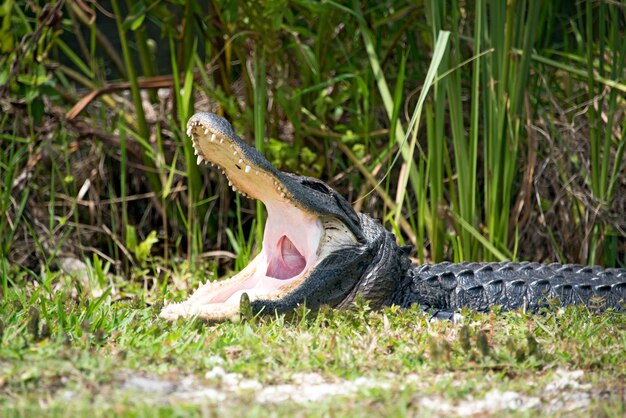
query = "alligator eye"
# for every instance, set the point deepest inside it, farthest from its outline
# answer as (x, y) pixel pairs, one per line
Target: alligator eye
(319, 186)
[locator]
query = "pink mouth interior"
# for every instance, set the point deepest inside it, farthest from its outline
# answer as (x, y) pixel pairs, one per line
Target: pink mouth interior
(286, 262)
(290, 244)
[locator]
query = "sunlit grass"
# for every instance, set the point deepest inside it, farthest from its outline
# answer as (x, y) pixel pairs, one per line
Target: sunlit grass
(71, 337)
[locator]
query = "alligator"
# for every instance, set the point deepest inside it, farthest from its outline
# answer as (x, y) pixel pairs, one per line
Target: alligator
(318, 251)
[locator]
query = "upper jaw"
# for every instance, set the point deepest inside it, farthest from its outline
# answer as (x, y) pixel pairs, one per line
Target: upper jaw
(247, 171)
(215, 141)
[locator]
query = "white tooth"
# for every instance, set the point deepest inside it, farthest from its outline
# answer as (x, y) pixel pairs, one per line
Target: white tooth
(195, 151)
(212, 165)
(230, 183)
(282, 194)
(212, 137)
(221, 140)
(206, 131)
(234, 189)
(235, 153)
(189, 131)
(199, 159)
(240, 161)
(247, 169)
(256, 172)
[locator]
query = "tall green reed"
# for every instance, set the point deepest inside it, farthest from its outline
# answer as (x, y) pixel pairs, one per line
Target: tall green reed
(339, 74)
(492, 132)
(603, 26)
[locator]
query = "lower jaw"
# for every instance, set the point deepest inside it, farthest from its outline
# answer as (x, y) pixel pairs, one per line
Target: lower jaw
(253, 280)
(265, 288)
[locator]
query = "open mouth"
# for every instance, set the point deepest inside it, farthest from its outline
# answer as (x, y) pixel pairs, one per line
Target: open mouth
(292, 237)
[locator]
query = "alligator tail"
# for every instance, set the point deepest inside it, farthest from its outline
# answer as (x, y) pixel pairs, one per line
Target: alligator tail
(511, 285)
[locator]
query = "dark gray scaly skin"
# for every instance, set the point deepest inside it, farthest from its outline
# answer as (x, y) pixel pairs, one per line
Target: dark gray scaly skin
(378, 270)
(511, 285)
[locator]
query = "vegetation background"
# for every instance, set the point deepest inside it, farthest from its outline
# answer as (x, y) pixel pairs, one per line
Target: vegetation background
(517, 153)
(476, 130)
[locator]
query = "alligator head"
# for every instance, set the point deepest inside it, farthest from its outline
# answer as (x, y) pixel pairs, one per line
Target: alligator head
(316, 249)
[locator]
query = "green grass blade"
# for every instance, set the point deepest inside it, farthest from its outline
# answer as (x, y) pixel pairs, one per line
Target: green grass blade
(438, 53)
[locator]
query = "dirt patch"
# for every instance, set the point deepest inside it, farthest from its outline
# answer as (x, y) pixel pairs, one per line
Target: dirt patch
(565, 392)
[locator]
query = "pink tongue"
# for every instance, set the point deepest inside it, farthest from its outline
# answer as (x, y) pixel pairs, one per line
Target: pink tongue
(287, 262)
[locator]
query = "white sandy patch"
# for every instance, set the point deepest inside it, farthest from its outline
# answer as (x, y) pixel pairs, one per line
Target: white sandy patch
(564, 393)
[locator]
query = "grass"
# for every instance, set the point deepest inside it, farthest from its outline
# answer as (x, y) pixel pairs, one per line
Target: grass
(518, 153)
(70, 345)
